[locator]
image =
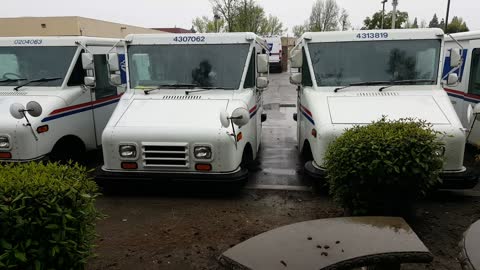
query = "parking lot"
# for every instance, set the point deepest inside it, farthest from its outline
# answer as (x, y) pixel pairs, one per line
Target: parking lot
(188, 225)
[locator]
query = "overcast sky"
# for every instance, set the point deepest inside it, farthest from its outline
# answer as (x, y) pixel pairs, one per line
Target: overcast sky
(170, 13)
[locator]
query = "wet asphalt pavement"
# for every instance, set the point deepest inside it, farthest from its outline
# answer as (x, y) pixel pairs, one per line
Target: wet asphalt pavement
(279, 166)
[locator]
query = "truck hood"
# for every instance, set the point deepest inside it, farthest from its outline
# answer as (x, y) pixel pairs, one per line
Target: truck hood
(364, 110)
(173, 113)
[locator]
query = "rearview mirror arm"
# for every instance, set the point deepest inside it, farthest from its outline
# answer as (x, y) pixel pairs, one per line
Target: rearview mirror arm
(28, 124)
(234, 134)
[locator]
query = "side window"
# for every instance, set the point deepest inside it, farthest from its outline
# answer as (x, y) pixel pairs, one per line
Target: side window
(306, 76)
(78, 73)
(251, 76)
(474, 85)
(103, 87)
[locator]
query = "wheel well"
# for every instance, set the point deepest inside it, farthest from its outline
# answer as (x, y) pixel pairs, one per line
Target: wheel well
(247, 155)
(307, 151)
(67, 142)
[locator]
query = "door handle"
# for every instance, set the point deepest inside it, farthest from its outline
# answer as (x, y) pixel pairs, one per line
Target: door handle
(454, 102)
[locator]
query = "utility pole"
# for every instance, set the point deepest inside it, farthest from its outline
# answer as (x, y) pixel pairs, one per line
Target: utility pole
(446, 18)
(383, 11)
(394, 12)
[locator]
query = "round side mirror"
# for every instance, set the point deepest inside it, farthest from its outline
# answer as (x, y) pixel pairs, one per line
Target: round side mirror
(240, 116)
(224, 119)
(34, 108)
(16, 110)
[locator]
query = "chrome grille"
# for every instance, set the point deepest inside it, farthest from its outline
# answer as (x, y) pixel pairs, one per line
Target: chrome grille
(168, 155)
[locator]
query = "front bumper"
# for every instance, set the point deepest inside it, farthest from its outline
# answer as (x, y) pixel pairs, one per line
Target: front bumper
(239, 175)
(37, 159)
(450, 180)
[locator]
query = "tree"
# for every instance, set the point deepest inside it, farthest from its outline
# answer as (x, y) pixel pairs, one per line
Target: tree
(205, 25)
(325, 16)
(434, 22)
(457, 25)
(343, 20)
(227, 9)
(415, 23)
(298, 30)
(423, 24)
(375, 22)
(271, 26)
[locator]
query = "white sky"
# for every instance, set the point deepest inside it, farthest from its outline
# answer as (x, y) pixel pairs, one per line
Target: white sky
(170, 13)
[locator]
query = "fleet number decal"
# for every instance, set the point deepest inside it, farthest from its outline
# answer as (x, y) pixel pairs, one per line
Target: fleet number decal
(28, 42)
(372, 35)
(189, 39)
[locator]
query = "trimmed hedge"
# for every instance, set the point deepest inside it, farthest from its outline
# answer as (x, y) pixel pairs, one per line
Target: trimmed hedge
(47, 216)
(382, 167)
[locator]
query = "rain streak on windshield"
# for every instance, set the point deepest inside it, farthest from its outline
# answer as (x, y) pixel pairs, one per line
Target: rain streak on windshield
(212, 65)
(345, 63)
(33, 63)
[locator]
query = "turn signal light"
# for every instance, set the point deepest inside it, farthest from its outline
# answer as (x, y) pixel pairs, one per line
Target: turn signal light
(5, 155)
(129, 165)
(42, 129)
(239, 136)
(203, 167)
(314, 132)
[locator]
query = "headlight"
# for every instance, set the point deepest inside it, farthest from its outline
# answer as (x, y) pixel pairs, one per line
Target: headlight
(202, 152)
(4, 142)
(127, 151)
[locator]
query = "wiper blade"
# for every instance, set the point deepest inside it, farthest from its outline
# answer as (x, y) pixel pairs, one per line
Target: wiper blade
(170, 86)
(362, 84)
(207, 89)
(38, 80)
(399, 82)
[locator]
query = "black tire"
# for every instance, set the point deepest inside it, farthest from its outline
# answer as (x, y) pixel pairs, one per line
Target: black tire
(69, 148)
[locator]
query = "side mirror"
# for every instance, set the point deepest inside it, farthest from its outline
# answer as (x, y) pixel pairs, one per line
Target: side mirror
(455, 58)
(240, 116)
(296, 78)
(262, 82)
(296, 59)
(89, 81)
(87, 61)
(452, 79)
(113, 63)
(262, 63)
(115, 79)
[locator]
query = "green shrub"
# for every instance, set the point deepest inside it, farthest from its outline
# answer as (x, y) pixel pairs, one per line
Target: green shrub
(47, 216)
(384, 166)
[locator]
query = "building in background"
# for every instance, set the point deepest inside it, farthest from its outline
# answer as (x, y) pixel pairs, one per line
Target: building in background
(175, 30)
(67, 26)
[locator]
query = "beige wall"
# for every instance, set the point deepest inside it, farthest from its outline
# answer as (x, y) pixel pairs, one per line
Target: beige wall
(66, 26)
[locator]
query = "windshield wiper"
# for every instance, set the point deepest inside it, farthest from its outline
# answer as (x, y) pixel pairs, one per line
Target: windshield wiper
(400, 82)
(361, 84)
(207, 89)
(37, 80)
(170, 86)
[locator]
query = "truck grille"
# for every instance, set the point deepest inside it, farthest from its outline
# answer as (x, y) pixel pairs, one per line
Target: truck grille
(168, 155)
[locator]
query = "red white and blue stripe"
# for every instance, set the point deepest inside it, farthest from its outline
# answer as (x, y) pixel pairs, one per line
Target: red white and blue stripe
(307, 113)
(461, 95)
(253, 111)
(83, 107)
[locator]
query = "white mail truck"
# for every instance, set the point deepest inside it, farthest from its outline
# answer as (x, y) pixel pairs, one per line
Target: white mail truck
(53, 105)
(465, 94)
(275, 52)
(193, 109)
(356, 77)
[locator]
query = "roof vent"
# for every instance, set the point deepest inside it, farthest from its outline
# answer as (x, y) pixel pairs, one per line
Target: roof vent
(182, 97)
(376, 94)
(13, 93)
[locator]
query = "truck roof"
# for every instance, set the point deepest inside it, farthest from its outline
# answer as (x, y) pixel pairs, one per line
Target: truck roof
(55, 41)
(464, 35)
(397, 34)
(210, 38)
